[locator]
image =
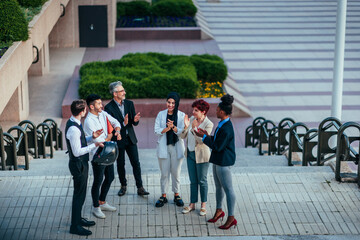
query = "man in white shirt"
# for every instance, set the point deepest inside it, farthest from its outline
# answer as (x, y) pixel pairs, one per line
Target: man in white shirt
(95, 120)
(78, 164)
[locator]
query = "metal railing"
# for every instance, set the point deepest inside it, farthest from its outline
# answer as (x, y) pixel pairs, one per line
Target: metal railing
(295, 141)
(324, 135)
(252, 133)
(26, 139)
(265, 129)
(307, 141)
(345, 152)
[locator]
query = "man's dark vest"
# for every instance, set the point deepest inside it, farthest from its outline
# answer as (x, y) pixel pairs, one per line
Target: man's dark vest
(84, 157)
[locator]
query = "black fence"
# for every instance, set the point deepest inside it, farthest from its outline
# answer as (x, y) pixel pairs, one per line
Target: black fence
(330, 140)
(28, 139)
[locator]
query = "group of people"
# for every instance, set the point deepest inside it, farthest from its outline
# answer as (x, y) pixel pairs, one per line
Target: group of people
(172, 126)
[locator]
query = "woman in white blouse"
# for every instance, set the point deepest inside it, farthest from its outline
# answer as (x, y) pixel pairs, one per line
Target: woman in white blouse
(198, 155)
(170, 150)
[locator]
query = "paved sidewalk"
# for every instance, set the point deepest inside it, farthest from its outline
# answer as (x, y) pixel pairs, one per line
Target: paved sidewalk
(277, 200)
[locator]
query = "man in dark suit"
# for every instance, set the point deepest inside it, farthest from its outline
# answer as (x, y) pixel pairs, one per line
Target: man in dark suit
(124, 111)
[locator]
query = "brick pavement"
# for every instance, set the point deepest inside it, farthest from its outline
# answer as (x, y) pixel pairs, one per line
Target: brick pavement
(275, 200)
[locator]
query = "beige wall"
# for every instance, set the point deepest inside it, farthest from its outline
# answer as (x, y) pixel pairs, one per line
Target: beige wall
(66, 31)
(16, 62)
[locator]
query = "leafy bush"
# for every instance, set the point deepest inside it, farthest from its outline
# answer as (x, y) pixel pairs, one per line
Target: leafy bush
(31, 3)
(134, 8)
(163, 8)
(174, 8)
(209, 68)
(148, 75)
(13, 26)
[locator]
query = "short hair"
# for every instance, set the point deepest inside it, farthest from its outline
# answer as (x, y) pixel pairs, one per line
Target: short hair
(113, 86)
(92, 98)
(226, 103)
(201, 105)
(77, 106)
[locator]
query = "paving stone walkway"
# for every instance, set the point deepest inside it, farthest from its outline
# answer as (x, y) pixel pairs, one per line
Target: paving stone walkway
(276, 200)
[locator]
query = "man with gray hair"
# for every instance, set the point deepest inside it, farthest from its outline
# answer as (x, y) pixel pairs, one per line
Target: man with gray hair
(124, 111)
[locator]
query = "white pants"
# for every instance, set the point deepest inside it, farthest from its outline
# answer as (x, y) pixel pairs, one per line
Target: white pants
(170, 165)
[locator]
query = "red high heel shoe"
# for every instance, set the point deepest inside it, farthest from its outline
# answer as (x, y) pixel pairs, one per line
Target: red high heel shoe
(234, 223)
(214, 220)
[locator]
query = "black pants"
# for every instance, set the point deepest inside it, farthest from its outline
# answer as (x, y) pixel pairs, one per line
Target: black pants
(79, 170)
(132, 152)
(99, 182)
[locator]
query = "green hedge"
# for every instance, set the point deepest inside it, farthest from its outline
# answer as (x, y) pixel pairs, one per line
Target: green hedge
(13, 26)
(209, 68)
(31, 3)
(150, 75)
(162, 8)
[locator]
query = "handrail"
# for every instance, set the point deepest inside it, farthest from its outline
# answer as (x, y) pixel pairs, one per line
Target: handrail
(307, 155)
(21, 143)
(30, 128)
(10, 151)
(295, 143)
(2, 149)
(264, 134)
(54, 128)
(323, 139)
(344, 150)
(256, 130)
(48, 137)
(282, 142)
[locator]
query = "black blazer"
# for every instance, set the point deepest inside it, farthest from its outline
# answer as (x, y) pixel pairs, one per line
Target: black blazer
(223, 148)
(113, 109)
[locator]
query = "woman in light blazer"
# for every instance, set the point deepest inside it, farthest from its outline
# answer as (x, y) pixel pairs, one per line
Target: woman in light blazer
(169, 124)
(198, 155)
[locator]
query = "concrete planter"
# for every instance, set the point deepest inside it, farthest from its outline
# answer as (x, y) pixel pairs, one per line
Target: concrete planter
(149, 108)
(158, 33)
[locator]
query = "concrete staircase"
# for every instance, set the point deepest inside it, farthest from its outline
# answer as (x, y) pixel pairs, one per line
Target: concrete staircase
(281, 54)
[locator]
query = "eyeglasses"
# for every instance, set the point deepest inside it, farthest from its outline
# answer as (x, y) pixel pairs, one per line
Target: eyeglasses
(120, 91)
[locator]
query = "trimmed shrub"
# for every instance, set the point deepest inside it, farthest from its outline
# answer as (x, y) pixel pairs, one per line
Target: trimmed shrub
(209, 68)
(13, 26)
(152, 75)
(174, 8)
(31, 3)
(135, 8)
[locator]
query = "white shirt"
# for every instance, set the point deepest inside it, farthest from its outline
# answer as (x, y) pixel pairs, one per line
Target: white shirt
(93, 123)
(74, 136)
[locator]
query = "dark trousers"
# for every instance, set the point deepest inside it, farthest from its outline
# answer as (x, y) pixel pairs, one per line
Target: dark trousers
(79, 170)
(99, 182)
(132, 152)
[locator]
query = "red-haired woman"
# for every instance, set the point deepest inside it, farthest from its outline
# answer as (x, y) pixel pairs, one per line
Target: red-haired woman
(198, 155)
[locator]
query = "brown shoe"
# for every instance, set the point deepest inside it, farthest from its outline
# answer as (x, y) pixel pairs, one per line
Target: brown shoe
(142, 192)
(122, 191)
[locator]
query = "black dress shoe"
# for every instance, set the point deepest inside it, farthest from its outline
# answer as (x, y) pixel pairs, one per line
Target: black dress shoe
(122, 191)
(178, 201)
(86, 223)
(161, 202)
(142, 192)
(79, 230)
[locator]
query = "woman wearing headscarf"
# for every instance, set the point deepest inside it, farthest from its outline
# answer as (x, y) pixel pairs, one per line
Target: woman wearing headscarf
(197, 155)
(222, 157)
(169, 124)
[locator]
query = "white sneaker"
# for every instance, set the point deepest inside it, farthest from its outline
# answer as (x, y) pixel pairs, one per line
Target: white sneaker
(107, 207)
(98, 213)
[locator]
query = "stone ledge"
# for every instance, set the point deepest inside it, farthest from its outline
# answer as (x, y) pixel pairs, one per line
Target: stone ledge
(158, 33)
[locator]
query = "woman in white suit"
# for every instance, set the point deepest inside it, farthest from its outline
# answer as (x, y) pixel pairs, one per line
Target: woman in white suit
(169, 125)
(198, 155)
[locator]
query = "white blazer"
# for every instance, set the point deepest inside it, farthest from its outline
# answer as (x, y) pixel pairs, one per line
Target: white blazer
(160, 124)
